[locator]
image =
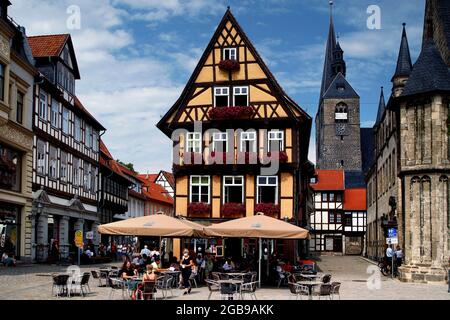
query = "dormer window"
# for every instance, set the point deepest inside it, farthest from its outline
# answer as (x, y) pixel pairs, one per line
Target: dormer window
(341, 113)
(221, 97)
(229, 54)
(240, 96)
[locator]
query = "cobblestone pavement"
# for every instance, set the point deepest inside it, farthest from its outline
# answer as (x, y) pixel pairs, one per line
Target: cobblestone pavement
(34, 283)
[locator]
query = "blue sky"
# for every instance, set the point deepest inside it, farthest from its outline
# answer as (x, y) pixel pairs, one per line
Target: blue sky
(135, 56)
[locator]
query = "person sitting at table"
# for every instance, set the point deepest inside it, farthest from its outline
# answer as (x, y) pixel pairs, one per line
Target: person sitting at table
(228, 265)
(137, 261)
(287, 267)
(174, 265)
(127, 271)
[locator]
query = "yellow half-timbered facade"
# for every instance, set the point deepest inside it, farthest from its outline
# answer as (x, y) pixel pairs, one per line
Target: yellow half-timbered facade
(239, 141)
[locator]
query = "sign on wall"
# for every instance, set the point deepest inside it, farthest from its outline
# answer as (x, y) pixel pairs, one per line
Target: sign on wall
(79, 238)
(90, 235)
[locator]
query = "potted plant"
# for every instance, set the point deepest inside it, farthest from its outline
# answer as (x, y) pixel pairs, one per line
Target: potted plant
(247, 158)
(229, 65)
(282, 156)
(233, 210)
(219, 155)
(223, 113)
(199, 209)
(269, 209)
(193, 157)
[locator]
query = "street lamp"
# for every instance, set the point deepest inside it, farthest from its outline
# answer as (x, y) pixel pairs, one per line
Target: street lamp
(34, 216)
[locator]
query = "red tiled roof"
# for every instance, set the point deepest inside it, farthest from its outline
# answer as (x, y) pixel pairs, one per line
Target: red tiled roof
(128, 171)
(47, 45)
(146, 178)
(80, 107)
(328, 180)
(355, 199)
(157, 192)
(105, 150)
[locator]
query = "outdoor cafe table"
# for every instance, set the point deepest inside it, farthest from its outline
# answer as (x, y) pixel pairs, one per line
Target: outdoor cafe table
(235, 282)
(309, 276)
(175, 275)
(235, 275)
(310, 285)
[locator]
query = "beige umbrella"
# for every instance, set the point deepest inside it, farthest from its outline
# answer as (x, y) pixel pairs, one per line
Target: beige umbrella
(257, 226)
(157, 225)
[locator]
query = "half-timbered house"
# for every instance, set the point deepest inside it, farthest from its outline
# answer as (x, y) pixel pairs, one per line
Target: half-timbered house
(66, 149)
(231, 123)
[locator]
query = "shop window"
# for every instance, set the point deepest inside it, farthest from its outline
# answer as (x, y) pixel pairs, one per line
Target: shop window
(9, 228)
(10, 168)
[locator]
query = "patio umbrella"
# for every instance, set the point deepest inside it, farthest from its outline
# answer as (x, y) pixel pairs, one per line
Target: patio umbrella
(257, 226)
(157, 225)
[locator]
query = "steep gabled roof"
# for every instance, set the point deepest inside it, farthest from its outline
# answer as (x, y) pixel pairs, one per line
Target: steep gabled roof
(429, 73)
(181, 102)
(404, 64)
(44, 46)
(327, 75)
(381, 108)
(437, 26)
(340, 89)
(85, 111)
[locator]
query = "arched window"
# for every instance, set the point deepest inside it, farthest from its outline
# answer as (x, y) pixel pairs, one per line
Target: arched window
(341, 112)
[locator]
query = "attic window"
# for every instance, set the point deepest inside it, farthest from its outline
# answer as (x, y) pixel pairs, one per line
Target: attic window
(229, 54)
(340, 87)
(313, 180)
(221, 97)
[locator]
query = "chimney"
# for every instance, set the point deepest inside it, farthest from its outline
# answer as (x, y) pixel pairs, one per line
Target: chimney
(4, 4)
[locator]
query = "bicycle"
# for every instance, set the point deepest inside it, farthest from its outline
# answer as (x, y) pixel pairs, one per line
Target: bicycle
(385, 268)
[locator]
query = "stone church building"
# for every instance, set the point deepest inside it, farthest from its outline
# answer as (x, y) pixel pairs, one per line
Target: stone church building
(410, 190)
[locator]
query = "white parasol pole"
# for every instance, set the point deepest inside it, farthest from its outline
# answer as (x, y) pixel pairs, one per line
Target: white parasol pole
(260, 258)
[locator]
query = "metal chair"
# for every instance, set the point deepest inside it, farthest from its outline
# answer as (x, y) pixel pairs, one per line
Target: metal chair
(213, 286)
(192, 279)
(164, 284)
(80, 283)
(96, 275)
(60, 284)
(216, 276)
(324, 290)
(335, 286)
(148, 290)
(117, 284)
(249, 287)
(298, 290)
(229, 291)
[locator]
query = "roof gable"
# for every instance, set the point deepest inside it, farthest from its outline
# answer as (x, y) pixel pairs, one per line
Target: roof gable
(340, 89)
(207, 74)
(355, 199)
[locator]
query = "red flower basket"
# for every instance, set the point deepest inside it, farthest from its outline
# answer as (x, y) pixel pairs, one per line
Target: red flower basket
(247, 158)
(199, 210)
(269, 209)
(219, 155)
(192, 156)
(229, 65)
(223, 113)
(233, 210)
(282, 156)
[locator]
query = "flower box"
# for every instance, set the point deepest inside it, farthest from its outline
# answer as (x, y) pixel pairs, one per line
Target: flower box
(191, 158)
(219, 155)
(269, 209)
(282, 156)
(224, 113)
(233, 210)
(199, 210)
(247, 158)
(229, 65)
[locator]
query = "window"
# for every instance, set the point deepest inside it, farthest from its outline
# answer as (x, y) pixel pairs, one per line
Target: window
(77, 128)
(267, 189)
(240, 96)
(10, 170)
(193, 142)
(221, 97)
(76, 171)
(200, 190)
(229, 54)
(341, 113)
(233, 189)
(19, 112)
(95, 140)
(88, 136)
(43, 105)
(324, 197)
(219, 139)
(248, 142)
(94, 180)
(52, 163)
(86, 176)
(65, 121)
(55, 114)
(334, 217)
(63, 167)
(40, 151)
(2, 81)
(275, 140)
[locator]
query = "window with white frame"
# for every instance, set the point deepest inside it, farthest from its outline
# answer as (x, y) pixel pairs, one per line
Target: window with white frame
(54, 119)
(275, 140)
(40, 156)
(65, 121)
(88, 136)
(194, 142)
(220, 142)
(43, 105)
(76, 171)
(240, 96)
(221, 97)
(86, 176)
(199, 189)
(233, 189)
(93, 179)
(95, 140)
(52, 163)
(77, 128)
(267, 189)
(229, 54)
(63, 167)
(248, 142)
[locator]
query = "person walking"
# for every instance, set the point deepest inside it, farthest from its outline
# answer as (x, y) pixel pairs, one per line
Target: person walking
(398, 258)
(389, 256)
(186, 265)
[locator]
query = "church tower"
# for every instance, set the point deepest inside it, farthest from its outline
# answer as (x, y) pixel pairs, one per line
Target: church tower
(338, 136)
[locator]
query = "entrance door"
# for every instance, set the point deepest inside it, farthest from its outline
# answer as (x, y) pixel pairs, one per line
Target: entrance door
(337, 244)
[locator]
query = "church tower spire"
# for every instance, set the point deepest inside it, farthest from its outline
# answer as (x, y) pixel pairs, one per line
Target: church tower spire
(327, 76)
(404, 65)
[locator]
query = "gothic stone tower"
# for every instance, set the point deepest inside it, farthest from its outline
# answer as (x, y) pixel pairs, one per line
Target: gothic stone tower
(338, 138)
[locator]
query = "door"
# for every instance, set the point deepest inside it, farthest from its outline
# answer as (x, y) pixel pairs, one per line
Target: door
(337, 244)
